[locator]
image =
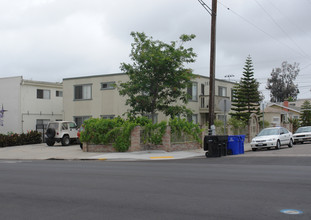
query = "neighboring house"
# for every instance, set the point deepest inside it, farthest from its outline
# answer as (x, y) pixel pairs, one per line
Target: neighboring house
(95, 96)
(26, 103)
(278, 114)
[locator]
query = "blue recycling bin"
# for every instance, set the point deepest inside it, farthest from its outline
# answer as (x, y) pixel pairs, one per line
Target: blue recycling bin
(233, 146)
(241, 143)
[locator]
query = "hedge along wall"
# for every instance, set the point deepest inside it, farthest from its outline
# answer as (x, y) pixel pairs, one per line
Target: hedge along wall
(138, 144)
(13, 139)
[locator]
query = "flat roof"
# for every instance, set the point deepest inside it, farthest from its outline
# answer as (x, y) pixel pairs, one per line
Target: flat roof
(117, 74)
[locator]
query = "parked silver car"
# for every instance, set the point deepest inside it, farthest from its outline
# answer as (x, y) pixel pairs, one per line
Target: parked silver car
(272, 137)
(302, 134)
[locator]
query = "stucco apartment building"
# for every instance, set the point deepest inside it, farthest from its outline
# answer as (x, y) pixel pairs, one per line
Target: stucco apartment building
(95, 96)
(27, 103)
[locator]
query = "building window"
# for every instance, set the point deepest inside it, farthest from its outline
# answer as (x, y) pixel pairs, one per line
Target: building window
(107, 116)
(276, 120)
(108, 85)
(193, 118)
(83, 92)
(43, 94)
(193, 91)
(154, 119)
(59, 93)
(222, 91)
(80, 119)
(296, 117)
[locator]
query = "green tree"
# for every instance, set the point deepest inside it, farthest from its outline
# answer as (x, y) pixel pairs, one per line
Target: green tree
(281, 84)
(236, 125)
(157, 77)
(305, 118)
(246, 97)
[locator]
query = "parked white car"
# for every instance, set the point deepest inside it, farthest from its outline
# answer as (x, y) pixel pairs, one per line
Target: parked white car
(302, 134)
(272, 137)
(61, 131)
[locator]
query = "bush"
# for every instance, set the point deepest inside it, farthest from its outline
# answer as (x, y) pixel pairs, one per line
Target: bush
(118, 131)
(13, 139)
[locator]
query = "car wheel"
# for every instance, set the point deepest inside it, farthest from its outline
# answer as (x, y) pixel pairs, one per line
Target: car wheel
(65, 140)
(50, 142)
(50, 132)
(81, 146)
(278, 145)
(290, 145)
(254, 149)
(301, 142)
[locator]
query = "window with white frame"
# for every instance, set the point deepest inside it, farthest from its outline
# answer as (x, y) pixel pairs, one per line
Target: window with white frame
(192, 118)
(80, 119)
(83, 92)
(222, 91)
(59, 93)
(107, 116)
(154, 119)
(107, 85)
(192, 90)
(276, 120)
(43, 94)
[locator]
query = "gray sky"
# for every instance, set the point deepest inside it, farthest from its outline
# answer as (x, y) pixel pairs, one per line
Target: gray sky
(49, 40)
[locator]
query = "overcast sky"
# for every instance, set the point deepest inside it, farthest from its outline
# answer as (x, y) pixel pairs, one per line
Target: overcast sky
(48, 40)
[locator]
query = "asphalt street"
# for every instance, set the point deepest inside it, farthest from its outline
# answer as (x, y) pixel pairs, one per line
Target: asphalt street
(232, 187)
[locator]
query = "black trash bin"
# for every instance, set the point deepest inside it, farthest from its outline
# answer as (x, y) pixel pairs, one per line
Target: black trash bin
(215, 145)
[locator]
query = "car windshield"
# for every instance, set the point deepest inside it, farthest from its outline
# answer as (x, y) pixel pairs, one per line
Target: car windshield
(53, 125)
(303, 129)
(265, 132)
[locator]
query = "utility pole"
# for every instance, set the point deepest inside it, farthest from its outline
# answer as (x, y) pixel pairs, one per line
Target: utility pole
(212, 66)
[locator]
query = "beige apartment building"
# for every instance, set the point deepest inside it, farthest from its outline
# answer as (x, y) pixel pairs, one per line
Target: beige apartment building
(95, 96)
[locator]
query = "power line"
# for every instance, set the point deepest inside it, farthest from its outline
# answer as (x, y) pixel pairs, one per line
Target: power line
(258, 28)
(281, 28)
(288, 19)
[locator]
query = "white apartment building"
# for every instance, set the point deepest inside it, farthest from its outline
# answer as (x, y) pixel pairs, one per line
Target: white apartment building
(94, 96)
(26, 103)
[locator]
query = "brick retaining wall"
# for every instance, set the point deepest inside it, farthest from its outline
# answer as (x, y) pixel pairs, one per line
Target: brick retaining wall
(136, 144)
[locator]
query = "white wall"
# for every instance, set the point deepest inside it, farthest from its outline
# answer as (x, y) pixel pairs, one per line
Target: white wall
(33, 108)
(10, 100)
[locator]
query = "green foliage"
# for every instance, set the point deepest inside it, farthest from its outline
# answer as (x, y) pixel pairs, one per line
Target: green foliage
(246, 97)
(105, 131)
(182, 127)
(266, 123)
(157, 77)
(153, 133)
(305, 118)
(13, 139)
(295, 122)
(219, 125)
(281, 84)
(236, 125)
(118, 131)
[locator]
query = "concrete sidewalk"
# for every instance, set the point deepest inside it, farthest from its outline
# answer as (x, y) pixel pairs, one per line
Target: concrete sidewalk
(58, 152)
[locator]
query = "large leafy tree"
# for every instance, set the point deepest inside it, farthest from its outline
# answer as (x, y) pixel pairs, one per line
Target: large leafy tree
(246, 96)
(157, 77)
(305, 118)
(281, 84)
